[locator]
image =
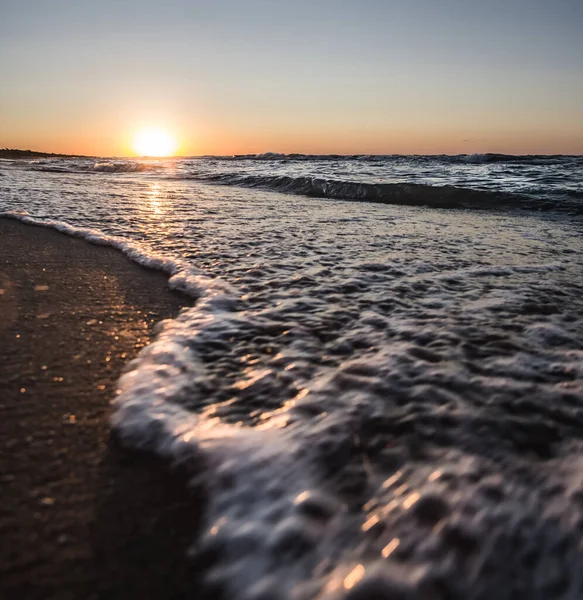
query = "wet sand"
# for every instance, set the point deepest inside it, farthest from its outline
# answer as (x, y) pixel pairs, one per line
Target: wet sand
(79, 517)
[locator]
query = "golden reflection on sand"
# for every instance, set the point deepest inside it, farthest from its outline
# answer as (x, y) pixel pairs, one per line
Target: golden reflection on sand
(8, 302)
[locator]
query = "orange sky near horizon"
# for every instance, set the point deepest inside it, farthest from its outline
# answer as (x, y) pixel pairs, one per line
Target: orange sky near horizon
(198, 140)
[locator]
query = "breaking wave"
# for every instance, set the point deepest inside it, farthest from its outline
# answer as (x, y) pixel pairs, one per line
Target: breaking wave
(407, 194)
(488, 157)
(124, 167)
(87, 167)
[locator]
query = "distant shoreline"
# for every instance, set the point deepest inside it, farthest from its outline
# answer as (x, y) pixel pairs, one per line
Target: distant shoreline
(14, 153)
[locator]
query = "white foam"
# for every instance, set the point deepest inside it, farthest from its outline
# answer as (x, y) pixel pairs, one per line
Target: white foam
(461, 486)
(182, 275)
(254, 475)
(245, 461)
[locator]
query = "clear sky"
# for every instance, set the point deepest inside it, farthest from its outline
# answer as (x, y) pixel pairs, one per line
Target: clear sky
(322, 76)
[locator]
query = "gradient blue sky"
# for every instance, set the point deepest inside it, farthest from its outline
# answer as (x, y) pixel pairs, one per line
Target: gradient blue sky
(346, 76)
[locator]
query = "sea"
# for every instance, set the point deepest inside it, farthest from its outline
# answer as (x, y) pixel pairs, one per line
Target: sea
(379, 384)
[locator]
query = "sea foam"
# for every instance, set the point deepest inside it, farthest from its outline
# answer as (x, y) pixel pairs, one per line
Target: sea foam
(384, 471)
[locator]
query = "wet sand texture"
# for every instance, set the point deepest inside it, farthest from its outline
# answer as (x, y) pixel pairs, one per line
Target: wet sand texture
(80, 518)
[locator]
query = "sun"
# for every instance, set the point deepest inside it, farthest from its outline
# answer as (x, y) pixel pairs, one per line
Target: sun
(155, 142)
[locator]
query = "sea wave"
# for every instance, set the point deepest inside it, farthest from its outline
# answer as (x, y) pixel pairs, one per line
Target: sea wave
(477, 158)
(124, 167)
(526, 159)
(406, 194)
(87, 167)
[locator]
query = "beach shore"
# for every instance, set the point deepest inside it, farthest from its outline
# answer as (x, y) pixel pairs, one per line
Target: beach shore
(79, 517)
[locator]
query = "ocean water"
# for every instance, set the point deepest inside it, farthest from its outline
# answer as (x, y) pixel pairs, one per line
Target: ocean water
(380, 384)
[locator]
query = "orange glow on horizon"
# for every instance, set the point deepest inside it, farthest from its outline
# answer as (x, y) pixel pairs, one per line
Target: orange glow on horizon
(120, 139)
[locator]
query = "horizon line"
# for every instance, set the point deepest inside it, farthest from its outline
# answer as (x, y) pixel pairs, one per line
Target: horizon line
(42, 153)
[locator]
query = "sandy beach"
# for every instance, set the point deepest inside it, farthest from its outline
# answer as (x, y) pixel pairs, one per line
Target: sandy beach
(80, 518)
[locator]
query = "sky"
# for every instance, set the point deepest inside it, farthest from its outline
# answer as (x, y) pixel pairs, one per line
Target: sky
(313, 76)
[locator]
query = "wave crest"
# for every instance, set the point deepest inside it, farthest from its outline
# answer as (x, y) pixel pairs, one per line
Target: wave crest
(123, 167)
(407, 194)
(110, 166)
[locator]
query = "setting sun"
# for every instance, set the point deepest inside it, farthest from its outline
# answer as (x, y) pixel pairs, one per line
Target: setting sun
(155, 142)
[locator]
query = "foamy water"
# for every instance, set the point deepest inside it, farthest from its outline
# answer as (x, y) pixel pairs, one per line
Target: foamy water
(382, 400)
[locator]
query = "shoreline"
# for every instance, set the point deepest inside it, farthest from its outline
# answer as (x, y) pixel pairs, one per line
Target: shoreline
(80, 517)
